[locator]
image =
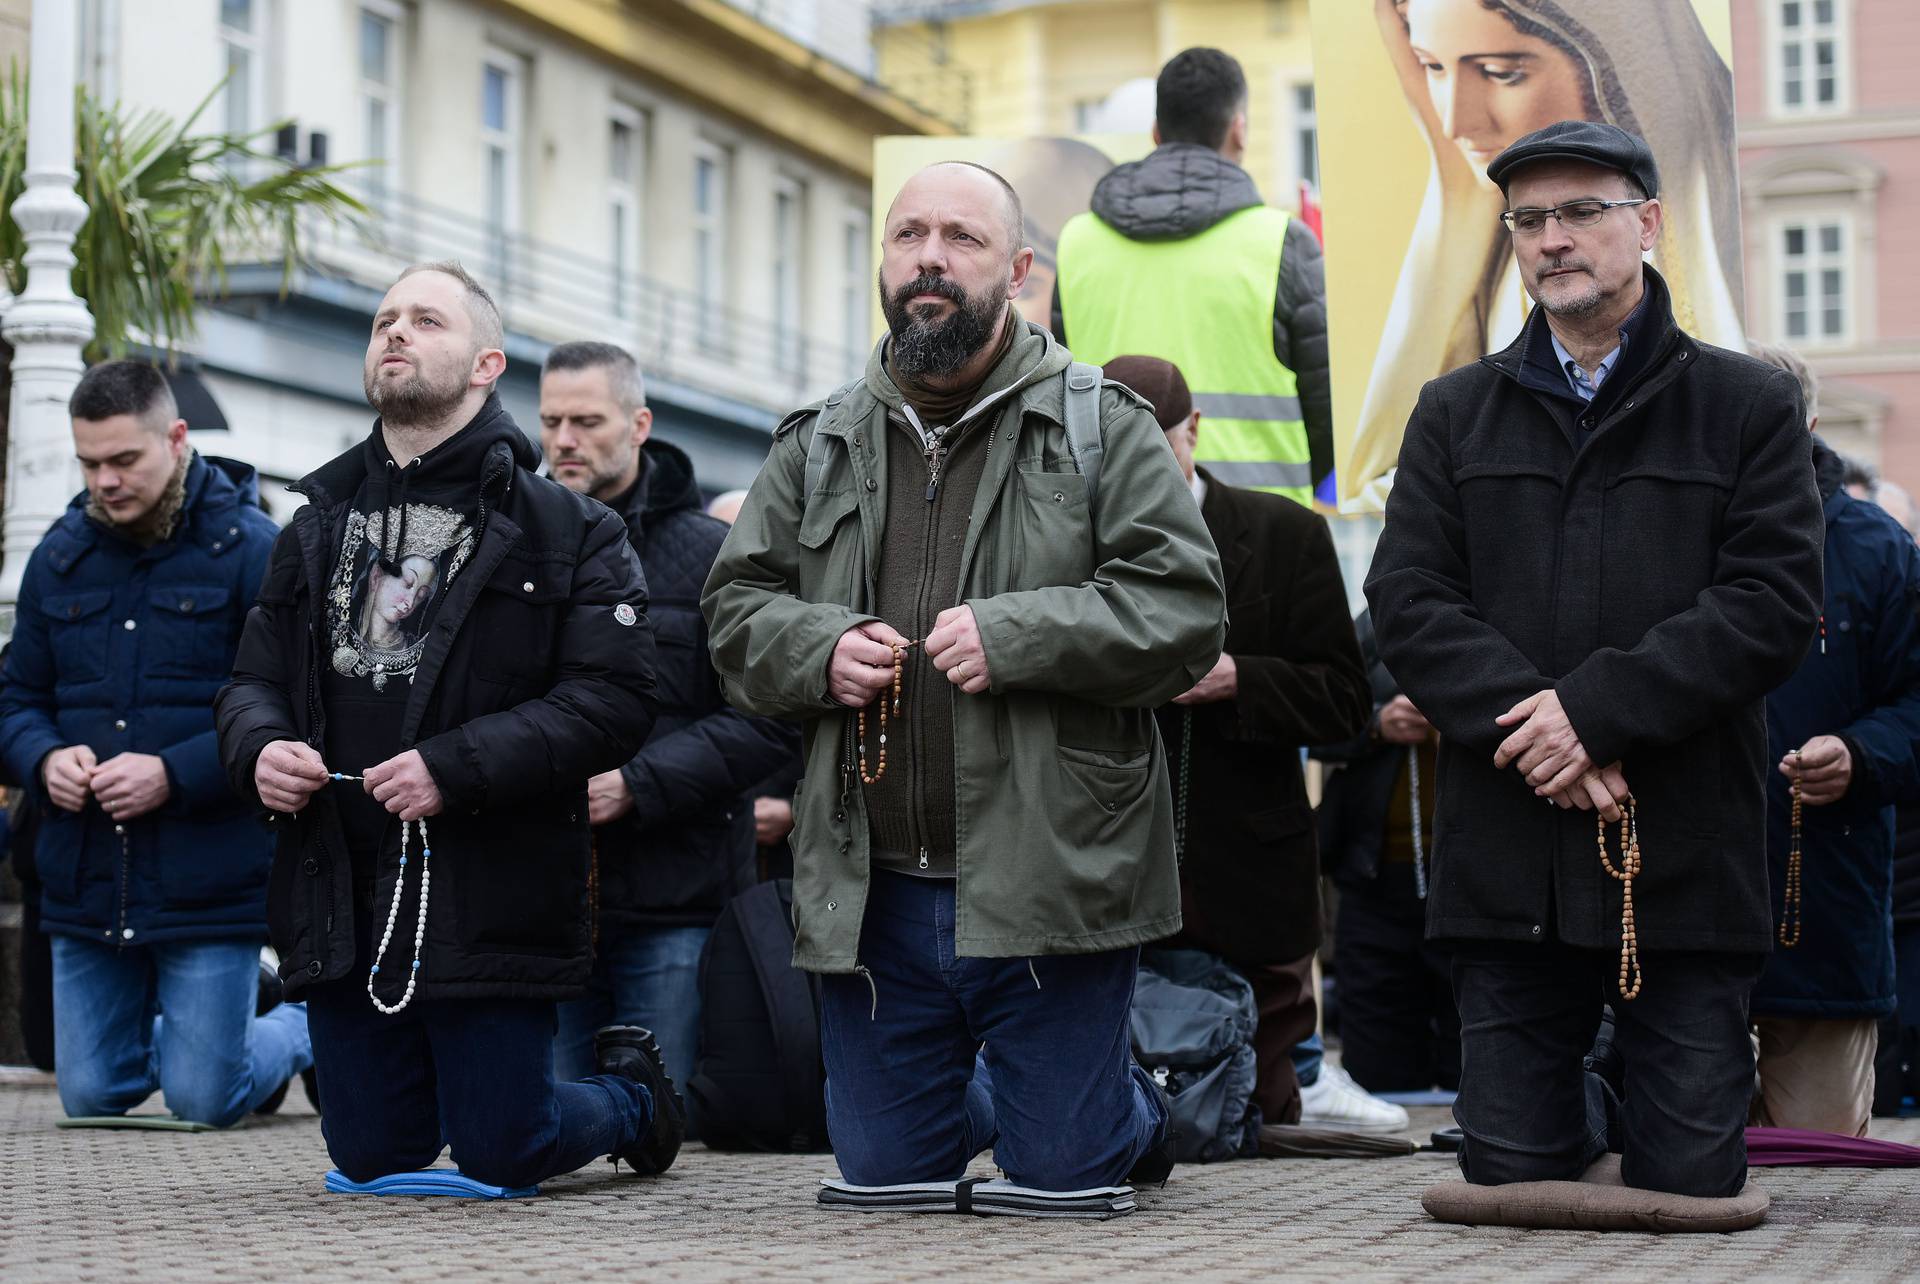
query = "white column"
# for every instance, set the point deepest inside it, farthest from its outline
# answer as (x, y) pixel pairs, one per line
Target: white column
(47, 324)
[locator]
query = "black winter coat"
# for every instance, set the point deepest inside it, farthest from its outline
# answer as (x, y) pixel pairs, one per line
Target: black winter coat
(1861, 684)
(687, 846)
(1250, 877)
(1661, 579)
(1360, 780)
(534, 679)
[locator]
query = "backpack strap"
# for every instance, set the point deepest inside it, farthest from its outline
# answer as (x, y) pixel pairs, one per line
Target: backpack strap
(768, 931)
(1083, 424)
(817, 446)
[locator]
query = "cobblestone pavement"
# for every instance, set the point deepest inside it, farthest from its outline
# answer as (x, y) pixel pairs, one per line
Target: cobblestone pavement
(98, 1205)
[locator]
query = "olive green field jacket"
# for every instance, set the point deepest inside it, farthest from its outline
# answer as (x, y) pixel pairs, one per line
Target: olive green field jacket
(1064, 816)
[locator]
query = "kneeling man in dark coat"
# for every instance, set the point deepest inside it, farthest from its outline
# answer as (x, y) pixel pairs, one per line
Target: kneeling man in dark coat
(1602, 550)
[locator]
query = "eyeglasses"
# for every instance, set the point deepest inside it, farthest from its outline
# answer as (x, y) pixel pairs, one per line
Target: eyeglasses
(1532, 222)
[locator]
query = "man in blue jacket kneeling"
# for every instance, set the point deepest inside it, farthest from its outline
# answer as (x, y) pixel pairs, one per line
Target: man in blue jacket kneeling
(154, 872)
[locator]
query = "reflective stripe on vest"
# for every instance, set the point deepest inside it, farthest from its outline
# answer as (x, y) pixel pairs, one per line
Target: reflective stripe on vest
(1206, 304)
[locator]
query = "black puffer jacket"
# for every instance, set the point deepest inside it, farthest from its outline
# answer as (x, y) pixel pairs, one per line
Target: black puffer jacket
(686, 848)
(1181, 190)
(537, 675)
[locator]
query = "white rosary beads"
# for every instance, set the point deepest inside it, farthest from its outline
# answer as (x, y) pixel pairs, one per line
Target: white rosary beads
(393, 911)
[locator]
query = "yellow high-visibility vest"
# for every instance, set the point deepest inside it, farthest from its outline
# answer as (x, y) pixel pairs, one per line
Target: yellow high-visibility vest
(1206, 304)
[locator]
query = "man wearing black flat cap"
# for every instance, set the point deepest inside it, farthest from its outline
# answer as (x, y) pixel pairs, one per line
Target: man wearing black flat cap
(1291, 675)
(1602, 550)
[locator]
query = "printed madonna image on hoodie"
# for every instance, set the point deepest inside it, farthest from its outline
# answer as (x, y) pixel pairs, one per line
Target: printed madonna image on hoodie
(387, 586)
(1420, 275)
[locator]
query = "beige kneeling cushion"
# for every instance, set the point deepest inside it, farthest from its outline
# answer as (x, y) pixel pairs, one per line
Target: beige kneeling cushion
(1598, 1201)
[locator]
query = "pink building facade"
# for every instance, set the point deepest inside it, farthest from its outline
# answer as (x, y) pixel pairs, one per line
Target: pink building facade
(1828, 95)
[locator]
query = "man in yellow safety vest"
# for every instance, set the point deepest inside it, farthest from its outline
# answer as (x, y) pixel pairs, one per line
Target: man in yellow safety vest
(1180, 259)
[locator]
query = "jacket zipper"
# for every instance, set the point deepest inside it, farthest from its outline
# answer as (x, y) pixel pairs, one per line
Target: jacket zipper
(126, 863)
(316, 733)
(935, 455)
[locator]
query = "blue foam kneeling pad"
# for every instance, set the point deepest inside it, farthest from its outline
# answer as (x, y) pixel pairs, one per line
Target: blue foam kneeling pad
(428, 1181)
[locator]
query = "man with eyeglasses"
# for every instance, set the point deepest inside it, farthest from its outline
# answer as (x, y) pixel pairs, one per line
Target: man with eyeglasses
(1602, 550)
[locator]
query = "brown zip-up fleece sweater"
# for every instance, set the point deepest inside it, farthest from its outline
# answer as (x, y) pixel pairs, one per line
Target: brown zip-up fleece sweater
(930, 493)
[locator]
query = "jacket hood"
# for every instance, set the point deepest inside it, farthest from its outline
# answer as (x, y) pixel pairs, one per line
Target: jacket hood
(666, 484)
(489, 441)
(1180, 190)
(245, 478)
(1829, 470)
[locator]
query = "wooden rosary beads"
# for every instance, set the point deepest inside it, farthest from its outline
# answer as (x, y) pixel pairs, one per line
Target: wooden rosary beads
(899, 655)
(1789, 930)
(1629, 870)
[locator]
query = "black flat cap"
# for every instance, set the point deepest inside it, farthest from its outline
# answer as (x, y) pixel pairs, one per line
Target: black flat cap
(1582, 140)
(1160, 382)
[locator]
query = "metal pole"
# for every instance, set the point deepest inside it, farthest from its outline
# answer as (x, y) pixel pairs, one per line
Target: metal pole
(47, 325)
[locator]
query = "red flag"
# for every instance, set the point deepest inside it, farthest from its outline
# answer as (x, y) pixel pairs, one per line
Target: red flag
(1310, 211)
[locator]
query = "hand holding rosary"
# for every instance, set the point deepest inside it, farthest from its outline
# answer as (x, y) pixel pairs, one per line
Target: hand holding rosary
(393, 910)
(888, 707)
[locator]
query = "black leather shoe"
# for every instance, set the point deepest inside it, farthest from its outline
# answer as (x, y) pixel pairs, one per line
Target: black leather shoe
(632, 1052)
(1605, 1060)
(270, 993)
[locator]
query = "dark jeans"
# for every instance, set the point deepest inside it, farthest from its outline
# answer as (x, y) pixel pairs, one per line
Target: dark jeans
(1399, 1029)
(1285, 995)
(912, 1094)
(473, 1074)
(1897, 1065)
(1528, 1013)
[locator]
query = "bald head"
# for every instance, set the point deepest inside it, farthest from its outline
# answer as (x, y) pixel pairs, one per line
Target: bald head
(974, 188)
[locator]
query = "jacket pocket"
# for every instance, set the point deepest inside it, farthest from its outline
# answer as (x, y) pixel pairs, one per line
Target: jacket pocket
(514, 621)
(77, 628)
(188, 629)
(1112, 781)
(829, 544)
(1051, 531)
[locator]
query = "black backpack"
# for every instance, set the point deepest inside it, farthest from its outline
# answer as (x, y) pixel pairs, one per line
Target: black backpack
(759, 1082)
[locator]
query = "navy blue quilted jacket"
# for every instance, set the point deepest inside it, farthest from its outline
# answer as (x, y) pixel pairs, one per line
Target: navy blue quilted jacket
(122, 648)
(687, 847)
(1863, 686)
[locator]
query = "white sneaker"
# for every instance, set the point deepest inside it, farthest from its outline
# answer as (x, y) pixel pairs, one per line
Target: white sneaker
(1334, 1100)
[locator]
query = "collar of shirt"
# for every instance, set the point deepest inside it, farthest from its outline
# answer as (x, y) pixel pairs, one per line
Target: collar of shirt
(1584, 387)
(1199, 487)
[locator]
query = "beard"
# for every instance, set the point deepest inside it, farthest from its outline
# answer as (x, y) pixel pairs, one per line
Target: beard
(1572, 306)
(415, 398)
(934, 347)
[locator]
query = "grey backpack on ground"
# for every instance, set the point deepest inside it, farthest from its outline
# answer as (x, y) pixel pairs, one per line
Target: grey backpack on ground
(1192, 1024)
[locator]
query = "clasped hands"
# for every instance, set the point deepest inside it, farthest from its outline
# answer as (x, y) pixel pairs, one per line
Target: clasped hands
(1548, 753)
(862, 663)
(289, 772)
(127, 785)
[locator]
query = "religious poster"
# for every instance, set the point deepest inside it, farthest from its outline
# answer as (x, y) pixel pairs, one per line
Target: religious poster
(1420, 276)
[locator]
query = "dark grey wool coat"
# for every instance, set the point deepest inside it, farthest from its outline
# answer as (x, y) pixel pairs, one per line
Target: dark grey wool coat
(1659, 566)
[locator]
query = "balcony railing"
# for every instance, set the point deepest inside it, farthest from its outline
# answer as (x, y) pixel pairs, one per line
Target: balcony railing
(553, 293)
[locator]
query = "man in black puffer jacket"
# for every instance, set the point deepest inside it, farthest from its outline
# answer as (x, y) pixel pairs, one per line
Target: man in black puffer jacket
(673, 828)
(443, 653)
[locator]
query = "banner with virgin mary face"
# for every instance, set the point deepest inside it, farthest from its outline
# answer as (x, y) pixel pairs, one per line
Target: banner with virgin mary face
(1414, 98)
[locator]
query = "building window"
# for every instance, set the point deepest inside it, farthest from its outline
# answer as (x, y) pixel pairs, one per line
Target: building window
(789, 241)
(500, 130)
(1816, 280)
(626, 203)
(854, 312)
(1306, 137)
(711, 165)
(243, 42)
(1809, 56)
(380, 97)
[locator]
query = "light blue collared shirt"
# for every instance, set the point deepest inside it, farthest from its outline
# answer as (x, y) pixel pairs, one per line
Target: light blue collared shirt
(1583, 387)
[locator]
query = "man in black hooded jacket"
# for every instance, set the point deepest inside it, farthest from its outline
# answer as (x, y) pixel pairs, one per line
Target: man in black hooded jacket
(444, 651)
(673, 828)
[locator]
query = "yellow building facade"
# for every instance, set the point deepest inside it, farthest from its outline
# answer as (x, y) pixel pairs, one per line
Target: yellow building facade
(1018, 69)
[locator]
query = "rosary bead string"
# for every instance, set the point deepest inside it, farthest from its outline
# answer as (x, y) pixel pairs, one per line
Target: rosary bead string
(393, 910)
(1788, 933)
(1629, 870)
(880, 769)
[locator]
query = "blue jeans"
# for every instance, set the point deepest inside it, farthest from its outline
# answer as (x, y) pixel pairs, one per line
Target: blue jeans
(177, 1016)
(473, 1074)
(646, 977)
(913, 1096)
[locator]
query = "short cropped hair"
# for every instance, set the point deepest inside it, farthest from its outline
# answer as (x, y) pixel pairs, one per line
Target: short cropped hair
(1198, 94)
(487, 326)
(623, 372)
(1791, 362)
(124, 387)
